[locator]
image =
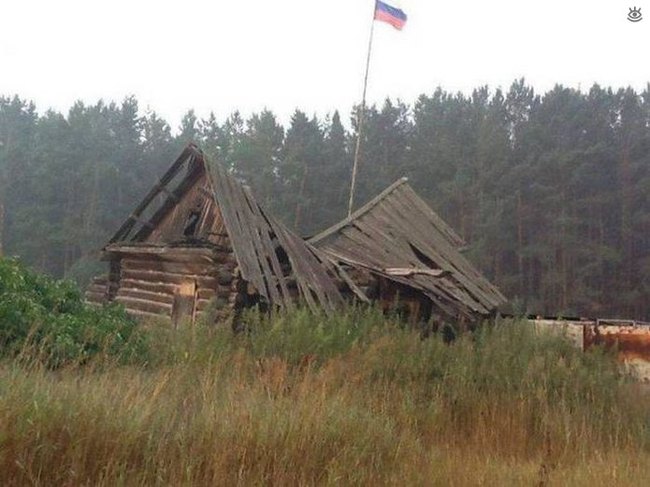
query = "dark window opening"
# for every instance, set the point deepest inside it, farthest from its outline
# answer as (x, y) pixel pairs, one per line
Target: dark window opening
(423, 258)
(192, 223)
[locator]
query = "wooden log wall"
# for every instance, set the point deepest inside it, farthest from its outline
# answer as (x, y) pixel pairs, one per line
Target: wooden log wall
(149, 285)
(168, 225)
(97, 291)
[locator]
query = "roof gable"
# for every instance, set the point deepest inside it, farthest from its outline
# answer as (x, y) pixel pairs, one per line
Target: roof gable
(270, 257)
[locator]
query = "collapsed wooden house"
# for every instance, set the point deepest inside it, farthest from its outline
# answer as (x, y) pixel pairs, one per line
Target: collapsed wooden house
(200, 239)
(401, 253)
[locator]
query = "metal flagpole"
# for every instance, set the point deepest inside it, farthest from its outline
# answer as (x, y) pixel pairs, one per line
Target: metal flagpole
(361, 116)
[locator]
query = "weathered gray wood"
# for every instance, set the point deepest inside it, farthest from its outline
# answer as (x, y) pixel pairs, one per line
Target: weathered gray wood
(277, 274)
(168, 278)
(155, 191)
(248, 239)
(180, 254)
(192, 268)
(156, 287)
(411, 198)
(397, 230)
(144, 305)
(203, 293)
(358, 213)
(145, 295)
(184, 304)
(93, 297)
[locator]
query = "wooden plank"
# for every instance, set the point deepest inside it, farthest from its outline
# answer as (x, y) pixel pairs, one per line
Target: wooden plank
(203, 293)
(439, 254)
(180, 254)
(203, 304)
(356, 290)
(410, 271)
(309, 272)
(192, 268)
(184, 303)
(433, 289)
(298, 269)
(223, 195)
(253, 250)
(276, 274)
(146, 295)
(414, 201)
(102, 280)
(144, 305)
(96, 288)
(454, 257)
(442, 286)
(358, 213)
(156, 287)
(126, 227)
(95, 297)
(250, 226)
(170, 203)
(169, 278)
(389, 251)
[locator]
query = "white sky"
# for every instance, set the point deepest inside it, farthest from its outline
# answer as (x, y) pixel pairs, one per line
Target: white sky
(217, 55)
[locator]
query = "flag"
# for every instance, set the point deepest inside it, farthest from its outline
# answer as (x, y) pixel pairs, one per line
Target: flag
(389, 14)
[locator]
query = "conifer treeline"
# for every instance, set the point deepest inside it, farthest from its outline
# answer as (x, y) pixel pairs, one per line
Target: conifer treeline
(551, 191)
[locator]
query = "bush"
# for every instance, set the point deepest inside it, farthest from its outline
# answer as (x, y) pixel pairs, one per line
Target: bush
(46, 319)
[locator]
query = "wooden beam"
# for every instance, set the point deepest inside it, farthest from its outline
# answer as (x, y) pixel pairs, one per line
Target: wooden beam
(188, 153)
(361, 211)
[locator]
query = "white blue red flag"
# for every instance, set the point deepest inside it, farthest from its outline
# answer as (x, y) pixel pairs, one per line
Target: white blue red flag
(390, 14)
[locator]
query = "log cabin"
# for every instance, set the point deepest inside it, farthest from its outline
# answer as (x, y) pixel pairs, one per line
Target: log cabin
(199, 240)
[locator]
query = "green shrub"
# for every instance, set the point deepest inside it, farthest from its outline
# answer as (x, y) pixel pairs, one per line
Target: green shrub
(46, 319)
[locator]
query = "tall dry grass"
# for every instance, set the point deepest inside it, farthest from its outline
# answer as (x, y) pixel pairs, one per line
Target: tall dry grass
(304, 400)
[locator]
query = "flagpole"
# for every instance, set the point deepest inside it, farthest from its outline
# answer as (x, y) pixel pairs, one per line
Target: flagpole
(361, 115)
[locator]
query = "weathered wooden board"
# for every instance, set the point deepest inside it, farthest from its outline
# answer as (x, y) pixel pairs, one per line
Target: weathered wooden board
(168, 277)
(145, 295)
(258, 241)
(397, 230)
(189, 268)
(144, 305)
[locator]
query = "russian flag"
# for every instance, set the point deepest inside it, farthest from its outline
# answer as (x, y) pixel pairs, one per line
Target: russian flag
(391, 15)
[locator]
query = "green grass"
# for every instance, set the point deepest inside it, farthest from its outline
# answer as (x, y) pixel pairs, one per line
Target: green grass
(303, 399)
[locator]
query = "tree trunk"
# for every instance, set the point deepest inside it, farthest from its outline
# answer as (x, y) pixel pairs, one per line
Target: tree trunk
(2, 226)
(301, 193)
(520, 245)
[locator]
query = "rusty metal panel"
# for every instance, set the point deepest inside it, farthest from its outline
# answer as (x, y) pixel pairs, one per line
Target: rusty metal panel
(630, 341)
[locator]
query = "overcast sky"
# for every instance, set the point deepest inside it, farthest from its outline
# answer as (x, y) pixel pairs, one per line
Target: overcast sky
(217, 55)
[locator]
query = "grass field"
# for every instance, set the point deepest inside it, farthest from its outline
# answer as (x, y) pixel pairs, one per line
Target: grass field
(305, 400)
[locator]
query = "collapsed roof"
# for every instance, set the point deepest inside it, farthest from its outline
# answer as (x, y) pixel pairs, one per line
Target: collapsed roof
(397, 236)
